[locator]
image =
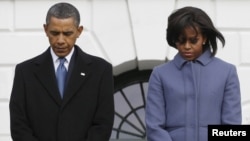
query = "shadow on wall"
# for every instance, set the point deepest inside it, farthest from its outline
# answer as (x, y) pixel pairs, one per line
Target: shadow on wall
(135, 64)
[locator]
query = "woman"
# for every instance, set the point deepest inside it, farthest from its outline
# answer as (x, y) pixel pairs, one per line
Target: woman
(195, 89)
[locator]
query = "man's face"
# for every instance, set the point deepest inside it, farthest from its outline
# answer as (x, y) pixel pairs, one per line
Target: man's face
(62, 35)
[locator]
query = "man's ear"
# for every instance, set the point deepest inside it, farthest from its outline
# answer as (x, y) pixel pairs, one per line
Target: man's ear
(45, 27)
(80, 30)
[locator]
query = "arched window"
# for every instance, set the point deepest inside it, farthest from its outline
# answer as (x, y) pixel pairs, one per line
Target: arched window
(130, 97)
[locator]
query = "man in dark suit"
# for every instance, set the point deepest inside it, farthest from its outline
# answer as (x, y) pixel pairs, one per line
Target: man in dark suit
(84, 109)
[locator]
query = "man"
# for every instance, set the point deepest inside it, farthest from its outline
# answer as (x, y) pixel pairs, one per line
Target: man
(81, 108)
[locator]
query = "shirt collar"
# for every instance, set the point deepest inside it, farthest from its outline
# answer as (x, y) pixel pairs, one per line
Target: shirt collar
(55, 57)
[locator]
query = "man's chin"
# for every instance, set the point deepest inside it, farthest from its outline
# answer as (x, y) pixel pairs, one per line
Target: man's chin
(61, 54)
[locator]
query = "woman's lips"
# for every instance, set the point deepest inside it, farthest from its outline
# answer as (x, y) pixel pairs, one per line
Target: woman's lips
(188, 54)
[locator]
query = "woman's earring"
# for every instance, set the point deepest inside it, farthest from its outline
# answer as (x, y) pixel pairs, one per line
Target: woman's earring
(203, 43)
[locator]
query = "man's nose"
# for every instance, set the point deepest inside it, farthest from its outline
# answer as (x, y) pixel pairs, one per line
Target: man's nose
(61, 39)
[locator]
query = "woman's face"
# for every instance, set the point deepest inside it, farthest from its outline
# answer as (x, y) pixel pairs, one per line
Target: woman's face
(190, 44)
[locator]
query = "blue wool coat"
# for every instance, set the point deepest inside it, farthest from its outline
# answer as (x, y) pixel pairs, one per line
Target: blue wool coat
(184, 97)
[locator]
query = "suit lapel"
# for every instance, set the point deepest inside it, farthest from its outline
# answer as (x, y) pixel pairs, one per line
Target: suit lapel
(46, 74)
(78, 74)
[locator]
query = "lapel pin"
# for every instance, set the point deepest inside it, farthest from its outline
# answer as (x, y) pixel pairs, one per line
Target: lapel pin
(82, 74)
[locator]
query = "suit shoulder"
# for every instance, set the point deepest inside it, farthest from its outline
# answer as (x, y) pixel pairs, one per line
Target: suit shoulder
(27, 62)
(90, 57)
(40, 57)
(99, 59)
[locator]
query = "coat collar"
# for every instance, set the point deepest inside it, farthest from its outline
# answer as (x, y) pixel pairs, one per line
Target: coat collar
(204, 59)
(78, 73)
(44, 70)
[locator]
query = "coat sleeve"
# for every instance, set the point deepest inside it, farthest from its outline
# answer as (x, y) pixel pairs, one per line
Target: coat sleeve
(155, 112)
(104, 117)
(231, 110)
(19, 123)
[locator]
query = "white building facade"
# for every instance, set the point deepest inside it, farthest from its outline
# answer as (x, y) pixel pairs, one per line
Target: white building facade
(130, 34)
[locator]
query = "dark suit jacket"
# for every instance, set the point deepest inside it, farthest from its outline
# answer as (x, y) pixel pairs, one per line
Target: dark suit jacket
(86, 112)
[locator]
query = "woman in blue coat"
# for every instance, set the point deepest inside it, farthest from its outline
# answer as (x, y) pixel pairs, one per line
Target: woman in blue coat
(195, 89)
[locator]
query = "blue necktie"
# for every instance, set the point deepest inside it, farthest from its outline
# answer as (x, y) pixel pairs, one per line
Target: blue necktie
(61, 74)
